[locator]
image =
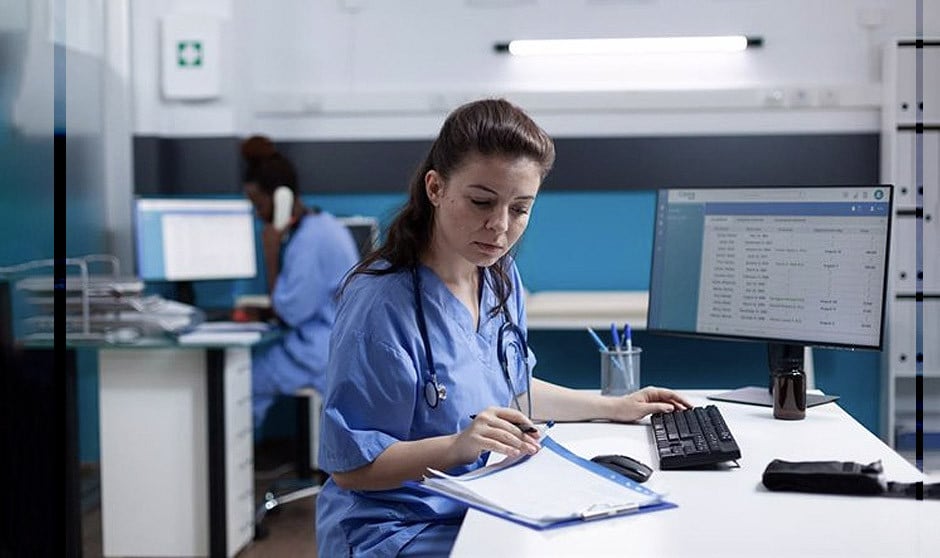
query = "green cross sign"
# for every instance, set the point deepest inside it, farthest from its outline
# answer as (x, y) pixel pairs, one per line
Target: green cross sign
(188, 54)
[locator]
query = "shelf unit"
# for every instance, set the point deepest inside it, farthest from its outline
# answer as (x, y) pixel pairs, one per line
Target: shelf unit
(910, 159)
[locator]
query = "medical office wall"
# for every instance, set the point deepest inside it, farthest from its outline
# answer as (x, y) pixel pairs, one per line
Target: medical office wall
(354, 90)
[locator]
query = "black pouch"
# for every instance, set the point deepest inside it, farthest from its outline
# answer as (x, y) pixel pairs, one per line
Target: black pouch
(826, 477)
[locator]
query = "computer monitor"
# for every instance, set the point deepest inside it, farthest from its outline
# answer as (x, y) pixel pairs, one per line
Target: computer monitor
(193, 239)
(365, 231)
(790, 266)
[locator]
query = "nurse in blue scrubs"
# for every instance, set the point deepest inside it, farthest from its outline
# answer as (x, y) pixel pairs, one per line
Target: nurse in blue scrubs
(431, 331)
(305, 263)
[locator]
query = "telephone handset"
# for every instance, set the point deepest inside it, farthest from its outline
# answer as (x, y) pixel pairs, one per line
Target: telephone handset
(283, 207)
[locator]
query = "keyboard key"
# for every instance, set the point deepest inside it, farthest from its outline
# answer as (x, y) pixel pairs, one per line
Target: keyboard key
(670, 423)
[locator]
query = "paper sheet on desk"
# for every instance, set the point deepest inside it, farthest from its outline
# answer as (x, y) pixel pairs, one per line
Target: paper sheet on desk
(550, 487)
(219, 338)
(234, 326)
(224, 333)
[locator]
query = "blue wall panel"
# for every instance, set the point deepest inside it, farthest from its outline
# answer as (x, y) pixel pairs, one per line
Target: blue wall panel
(575, 240)
(588, 241)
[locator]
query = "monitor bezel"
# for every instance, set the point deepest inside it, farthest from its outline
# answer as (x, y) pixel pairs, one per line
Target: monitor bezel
(777, 340)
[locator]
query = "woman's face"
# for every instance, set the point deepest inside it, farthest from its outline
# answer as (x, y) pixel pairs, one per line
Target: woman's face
(263, 203)
(483, 208)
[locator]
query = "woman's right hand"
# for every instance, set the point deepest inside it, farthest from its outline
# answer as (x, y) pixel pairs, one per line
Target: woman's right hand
(495, 429)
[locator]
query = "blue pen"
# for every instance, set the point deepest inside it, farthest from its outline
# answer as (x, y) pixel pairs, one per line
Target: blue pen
(622, 364)
(603, 347)
(597, 339)
(615, 336)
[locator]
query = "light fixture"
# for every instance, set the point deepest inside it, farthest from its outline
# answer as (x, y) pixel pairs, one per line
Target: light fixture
(726, 43)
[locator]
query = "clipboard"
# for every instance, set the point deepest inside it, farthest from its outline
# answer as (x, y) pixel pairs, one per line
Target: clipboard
(550, 489)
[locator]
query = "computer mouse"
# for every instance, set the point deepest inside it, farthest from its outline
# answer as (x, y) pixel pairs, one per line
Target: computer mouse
(626, 466)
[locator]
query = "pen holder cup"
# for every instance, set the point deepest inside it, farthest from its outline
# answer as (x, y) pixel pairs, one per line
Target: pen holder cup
(620, 371)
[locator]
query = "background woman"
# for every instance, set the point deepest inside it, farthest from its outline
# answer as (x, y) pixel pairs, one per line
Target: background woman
(305, 262)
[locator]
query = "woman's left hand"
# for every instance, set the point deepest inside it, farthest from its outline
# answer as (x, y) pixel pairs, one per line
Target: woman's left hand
(648, 400)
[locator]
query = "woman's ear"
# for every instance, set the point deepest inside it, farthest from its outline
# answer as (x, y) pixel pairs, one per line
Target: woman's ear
(433, 187)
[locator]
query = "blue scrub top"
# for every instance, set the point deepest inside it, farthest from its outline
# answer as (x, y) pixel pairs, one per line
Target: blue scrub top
(315, 259)
(375, 397)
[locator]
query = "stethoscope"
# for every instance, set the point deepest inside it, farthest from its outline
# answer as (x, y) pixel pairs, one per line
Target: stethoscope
(435, 391)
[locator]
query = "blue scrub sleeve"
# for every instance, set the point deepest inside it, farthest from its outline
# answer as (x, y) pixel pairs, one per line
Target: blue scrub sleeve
(308, 278)
(370, 404)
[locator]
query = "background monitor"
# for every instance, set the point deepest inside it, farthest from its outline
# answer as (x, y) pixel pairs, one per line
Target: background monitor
(365, 231)
(791, 266)
(191, 239)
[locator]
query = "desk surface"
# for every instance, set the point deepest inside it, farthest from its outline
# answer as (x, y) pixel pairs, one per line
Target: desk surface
(163, 341)
(729, 512)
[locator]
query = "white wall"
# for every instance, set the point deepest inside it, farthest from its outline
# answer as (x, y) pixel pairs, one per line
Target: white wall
(329, 69)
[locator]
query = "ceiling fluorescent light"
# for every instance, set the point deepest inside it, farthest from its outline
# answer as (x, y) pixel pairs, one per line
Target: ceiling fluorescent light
(557, 47)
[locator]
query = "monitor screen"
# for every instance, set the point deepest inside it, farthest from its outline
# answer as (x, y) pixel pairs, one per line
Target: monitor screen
(792, 265)
(190, 239)
(364, 230)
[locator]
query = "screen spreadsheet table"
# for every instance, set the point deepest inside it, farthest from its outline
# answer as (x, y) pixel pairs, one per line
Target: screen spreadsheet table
(794, 265)
(727, 511)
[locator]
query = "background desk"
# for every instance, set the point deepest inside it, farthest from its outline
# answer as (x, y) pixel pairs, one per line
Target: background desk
(729, 512)
(176, 451)
(176, 447)
(580, 309)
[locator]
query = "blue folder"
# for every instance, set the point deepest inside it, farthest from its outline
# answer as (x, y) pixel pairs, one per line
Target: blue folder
(501, 494)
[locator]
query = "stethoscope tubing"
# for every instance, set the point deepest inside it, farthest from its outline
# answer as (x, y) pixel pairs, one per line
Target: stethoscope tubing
(434, 391)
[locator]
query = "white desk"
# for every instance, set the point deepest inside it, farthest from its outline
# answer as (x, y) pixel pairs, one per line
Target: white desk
(729, 512)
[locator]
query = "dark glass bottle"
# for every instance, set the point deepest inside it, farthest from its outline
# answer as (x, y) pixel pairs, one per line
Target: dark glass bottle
(790, 394)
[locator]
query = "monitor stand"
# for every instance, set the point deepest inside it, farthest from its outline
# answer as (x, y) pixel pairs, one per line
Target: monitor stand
(780, 356)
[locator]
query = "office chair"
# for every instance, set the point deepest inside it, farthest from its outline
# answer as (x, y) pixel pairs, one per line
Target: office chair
(309, 479)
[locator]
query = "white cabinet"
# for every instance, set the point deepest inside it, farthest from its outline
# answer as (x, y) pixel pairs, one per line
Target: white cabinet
(161, 410)
(239, 451)
(911, 161)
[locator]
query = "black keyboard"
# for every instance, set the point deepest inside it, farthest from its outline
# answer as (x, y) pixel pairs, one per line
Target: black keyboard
(693, 438)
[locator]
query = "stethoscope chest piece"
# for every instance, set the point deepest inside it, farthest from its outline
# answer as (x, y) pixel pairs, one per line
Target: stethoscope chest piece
(434, 392)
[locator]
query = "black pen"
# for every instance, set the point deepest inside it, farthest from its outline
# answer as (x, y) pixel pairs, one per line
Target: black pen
(525, 428)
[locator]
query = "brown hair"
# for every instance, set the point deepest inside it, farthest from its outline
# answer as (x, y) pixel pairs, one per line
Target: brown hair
(266, 167)
(486, 127)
